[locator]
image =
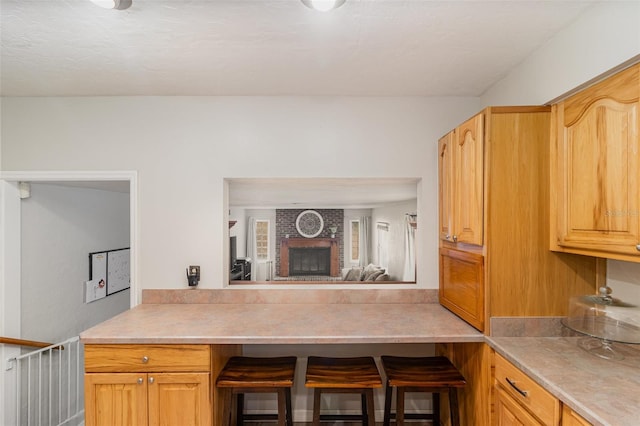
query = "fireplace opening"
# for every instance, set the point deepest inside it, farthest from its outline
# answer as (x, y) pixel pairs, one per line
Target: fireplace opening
(310, 261)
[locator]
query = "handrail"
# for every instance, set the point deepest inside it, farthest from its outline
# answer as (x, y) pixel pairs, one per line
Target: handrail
(32, 343)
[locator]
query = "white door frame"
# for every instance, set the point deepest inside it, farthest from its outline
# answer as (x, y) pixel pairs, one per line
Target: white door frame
(9, 292)
(10, 259)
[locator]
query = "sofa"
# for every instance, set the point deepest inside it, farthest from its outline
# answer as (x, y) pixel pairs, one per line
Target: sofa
(369, 273)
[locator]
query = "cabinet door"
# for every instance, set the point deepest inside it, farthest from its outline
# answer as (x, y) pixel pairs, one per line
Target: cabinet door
(469, 172)
(596, 176)
(462, 285)
(571, 418)
(445, 185)
(509, 413)
(115, 399)
(179, 399)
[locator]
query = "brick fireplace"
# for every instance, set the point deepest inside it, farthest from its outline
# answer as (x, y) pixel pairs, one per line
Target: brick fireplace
(310, 246)
(286, 226)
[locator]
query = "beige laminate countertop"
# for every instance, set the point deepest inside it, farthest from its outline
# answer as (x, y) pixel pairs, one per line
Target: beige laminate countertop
(604, 392)
(283, 324)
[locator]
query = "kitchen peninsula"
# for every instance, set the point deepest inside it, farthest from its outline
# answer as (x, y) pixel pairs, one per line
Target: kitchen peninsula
(187, 335)
(174, 345)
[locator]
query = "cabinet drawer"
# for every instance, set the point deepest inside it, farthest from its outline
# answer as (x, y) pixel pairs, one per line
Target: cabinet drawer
(146, 358)
(528, 393)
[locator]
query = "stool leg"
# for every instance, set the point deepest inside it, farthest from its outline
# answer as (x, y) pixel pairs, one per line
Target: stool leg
(453, 407)
(240, 409)
(316, 407)
(288, 404)
(282, 407)
(399, 406)
(227, 400)
(371, 413)
(363, 408)
(436, 409)
(387, 404)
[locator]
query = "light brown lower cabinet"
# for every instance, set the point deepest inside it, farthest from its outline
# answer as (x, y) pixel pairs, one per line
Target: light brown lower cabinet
(147, 399)
(520, 400)
(153, 384)
(571, 418)
(509, 412)
(474, 360)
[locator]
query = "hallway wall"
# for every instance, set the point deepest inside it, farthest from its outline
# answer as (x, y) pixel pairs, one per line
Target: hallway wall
(60, 226)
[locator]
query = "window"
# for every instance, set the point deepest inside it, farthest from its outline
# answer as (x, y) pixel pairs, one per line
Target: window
(355, 241)
(262, 240)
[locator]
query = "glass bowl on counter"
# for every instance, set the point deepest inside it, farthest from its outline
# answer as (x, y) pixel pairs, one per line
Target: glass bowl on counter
(605, 321)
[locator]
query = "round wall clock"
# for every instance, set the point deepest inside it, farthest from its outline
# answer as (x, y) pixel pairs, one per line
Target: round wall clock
(309, 223)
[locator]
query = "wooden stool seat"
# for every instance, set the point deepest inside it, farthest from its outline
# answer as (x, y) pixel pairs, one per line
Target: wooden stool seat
(343, 375)
(421, 374)
(243, 375)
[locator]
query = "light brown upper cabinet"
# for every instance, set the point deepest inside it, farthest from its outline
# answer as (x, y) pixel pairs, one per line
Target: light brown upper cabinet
(595, 174)
(461, 182)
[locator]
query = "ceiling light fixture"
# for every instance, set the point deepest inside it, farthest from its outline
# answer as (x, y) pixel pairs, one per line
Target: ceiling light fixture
(113, 4)
(323, 5)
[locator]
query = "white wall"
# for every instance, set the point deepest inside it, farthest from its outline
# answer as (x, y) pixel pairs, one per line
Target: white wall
(183, 147)
(605, 36)
(60, 226)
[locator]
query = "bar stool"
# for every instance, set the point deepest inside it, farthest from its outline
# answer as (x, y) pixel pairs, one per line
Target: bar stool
(421, 374)
(243, 375)
(343, 375)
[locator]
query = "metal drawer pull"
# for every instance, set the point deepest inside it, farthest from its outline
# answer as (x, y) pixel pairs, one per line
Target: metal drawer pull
(151, 380)
(145, 359)
(140, 381)
(513, 385)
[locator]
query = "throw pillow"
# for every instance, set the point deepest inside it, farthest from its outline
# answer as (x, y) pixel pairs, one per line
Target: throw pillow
(353, 274)
(375, 274)
(368, 270)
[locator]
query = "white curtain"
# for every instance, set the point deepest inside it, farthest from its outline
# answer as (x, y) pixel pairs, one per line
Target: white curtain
(365, 240)
(251, 238)
(409, 272)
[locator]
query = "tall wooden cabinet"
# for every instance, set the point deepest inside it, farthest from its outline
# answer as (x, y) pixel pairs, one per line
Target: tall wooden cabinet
(513, 272)
(510, 270)
(595, 172)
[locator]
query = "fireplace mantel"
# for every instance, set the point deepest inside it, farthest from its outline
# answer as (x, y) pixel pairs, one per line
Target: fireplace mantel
(287, 243)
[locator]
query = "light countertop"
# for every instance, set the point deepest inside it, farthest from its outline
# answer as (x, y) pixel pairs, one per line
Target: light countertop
(604, 392)
(283, 324)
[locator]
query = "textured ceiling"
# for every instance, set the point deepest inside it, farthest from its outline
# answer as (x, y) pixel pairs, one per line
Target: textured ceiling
(270, 47)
